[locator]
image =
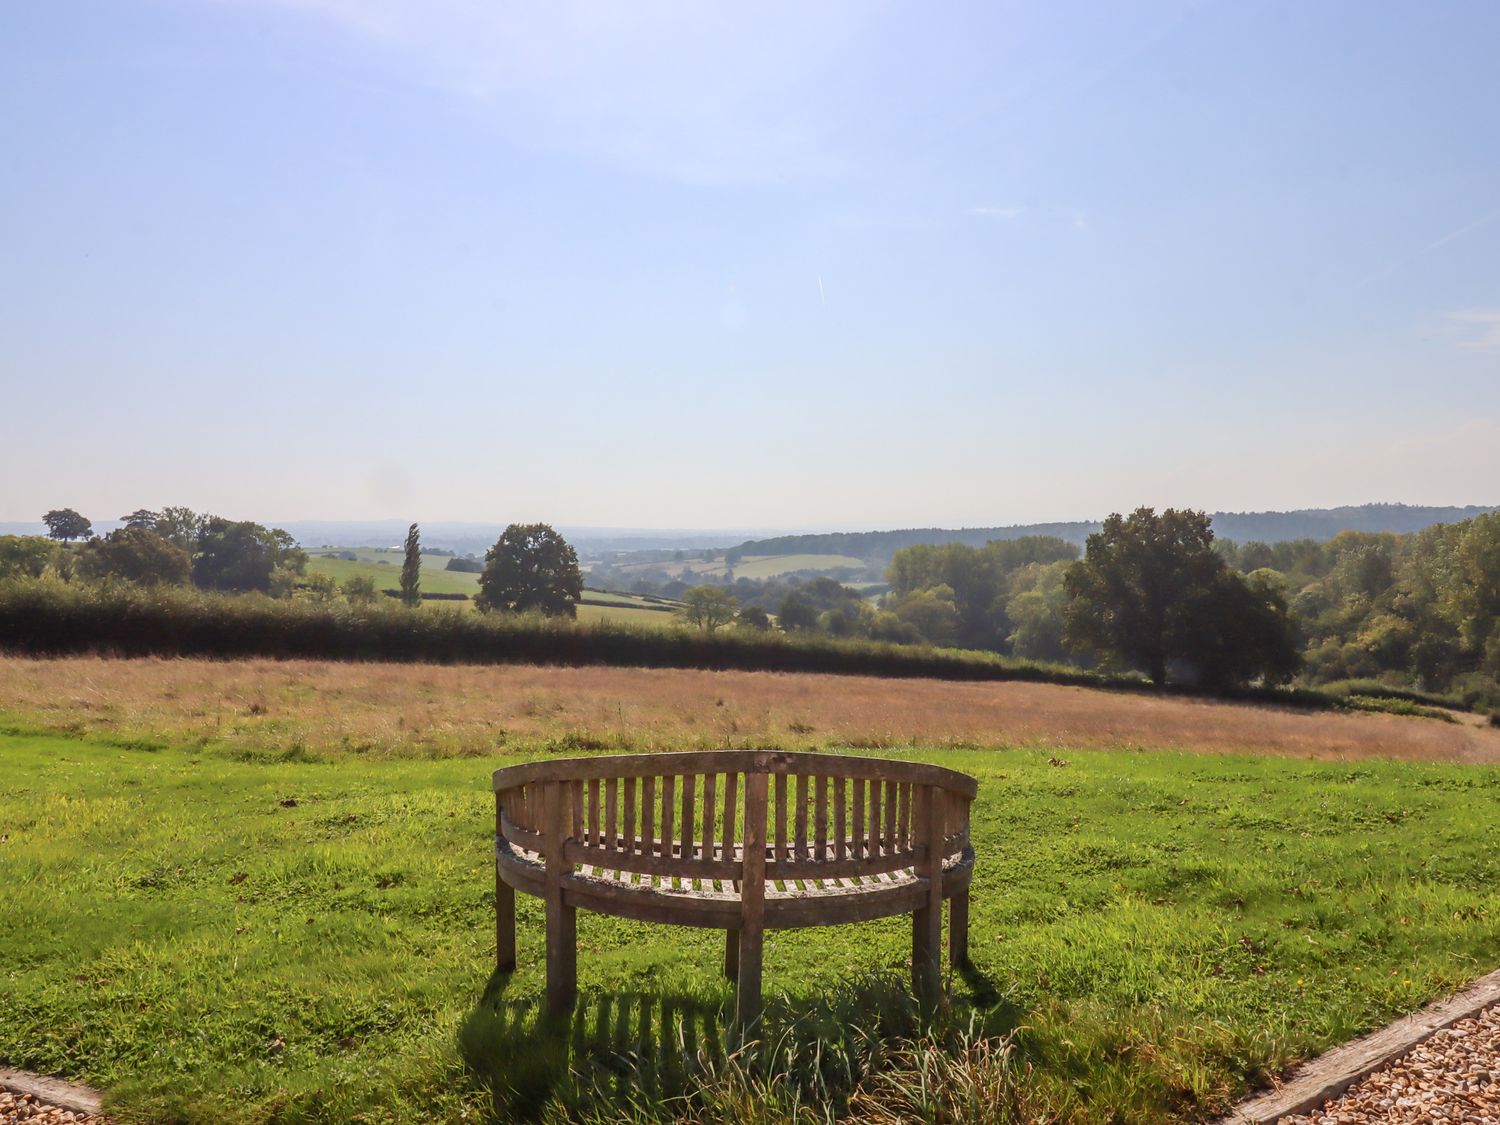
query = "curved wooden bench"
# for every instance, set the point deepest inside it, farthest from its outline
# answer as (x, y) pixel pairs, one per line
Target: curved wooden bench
(741, 841)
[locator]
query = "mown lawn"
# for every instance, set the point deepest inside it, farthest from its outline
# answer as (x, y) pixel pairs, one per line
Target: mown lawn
(218, 935)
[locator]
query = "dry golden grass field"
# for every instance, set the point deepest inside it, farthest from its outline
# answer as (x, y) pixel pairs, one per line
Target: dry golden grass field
(403, 709)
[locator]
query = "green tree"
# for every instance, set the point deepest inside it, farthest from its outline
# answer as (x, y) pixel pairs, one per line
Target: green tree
(25, 556)
(531, 567)
(753, 617)
(930, 612)
(67, 525)
(142, 518)
(137, 555)
(182, 526)
(1151, 590)
(707, 607)
(411, 569)
(360, 589)
(321, 587)
(797, 612)
(243, 556)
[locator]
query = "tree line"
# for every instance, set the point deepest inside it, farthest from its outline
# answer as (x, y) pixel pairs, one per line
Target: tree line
(1159, 594)
(531, 568)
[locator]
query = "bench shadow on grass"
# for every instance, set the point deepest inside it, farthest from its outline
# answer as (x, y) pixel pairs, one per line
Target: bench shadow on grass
(642, 1047)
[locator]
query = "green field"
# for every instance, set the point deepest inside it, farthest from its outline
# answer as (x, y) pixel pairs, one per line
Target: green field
(758, 567)
(246, 936)
(761, 567)
(384, 568)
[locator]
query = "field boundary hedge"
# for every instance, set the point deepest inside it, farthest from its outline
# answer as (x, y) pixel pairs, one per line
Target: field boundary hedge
(49, 618)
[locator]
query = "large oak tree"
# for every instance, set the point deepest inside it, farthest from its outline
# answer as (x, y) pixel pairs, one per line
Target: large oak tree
(531, 567)
(1151, 592)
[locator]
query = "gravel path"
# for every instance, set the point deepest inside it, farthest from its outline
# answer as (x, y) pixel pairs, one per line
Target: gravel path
(16, 1108)
(1452, 1078)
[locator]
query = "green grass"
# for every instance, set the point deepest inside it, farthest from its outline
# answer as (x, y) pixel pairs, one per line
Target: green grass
(761, 567)
(616, 614)
(307, 936)
(435, 580)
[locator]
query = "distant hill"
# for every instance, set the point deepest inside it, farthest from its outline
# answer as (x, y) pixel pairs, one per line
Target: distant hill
(1268, 527)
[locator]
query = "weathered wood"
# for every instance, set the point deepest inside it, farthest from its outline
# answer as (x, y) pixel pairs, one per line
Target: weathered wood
(927, 919)
(752, 904)
(799, 843)
(710, 786)
(687, 866)
(631, 843)
(593, 836)
(668, 813)
(958, 928)
(648, 814)
(761, 761)
(732, 954)
(612, 812)
(731, 810)
(505, 903)
(780, 852)
(562, 920)
(561, 833)
(857, 799)
(820, 818)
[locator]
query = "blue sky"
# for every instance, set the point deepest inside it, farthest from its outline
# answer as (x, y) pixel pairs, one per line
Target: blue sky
(834, 265)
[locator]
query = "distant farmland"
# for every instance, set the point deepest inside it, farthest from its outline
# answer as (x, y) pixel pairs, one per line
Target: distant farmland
(383, 567)
(758, 567)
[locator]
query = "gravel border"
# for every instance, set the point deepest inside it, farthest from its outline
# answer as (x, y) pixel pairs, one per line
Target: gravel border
(71, 1097)
(1329, 1075)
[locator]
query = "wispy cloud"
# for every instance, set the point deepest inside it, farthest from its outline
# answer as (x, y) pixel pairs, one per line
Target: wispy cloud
(1467, 228)
(998, 212)
(1475, 330)
(700, 93)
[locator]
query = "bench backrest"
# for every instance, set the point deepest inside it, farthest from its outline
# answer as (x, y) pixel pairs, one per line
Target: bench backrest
(747, 816)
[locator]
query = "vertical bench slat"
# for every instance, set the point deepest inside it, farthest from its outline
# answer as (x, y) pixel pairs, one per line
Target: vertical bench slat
(872, 841)
(630, 843)
(731, 799)
(648, 815)
(689, 785)
(857, 837)
(612, 813)
(903, 819)
(780, 816)
(575, 804)
(888, 825)
(710, 784)
(820, 818)
(801, 835)
(594, 811)
(752, 904)
(668, 813)
(839, 818)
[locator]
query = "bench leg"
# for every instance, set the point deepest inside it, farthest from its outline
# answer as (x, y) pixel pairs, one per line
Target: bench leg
(926, 949)
(958, 929)
(562, 955)
(732, 955)
(505, 926)
(747, 984)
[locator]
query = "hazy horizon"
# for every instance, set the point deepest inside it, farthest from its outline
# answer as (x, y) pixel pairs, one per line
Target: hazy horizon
(667, 266)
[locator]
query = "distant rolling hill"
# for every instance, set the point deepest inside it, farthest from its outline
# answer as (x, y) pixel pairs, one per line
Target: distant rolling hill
(1268, 527)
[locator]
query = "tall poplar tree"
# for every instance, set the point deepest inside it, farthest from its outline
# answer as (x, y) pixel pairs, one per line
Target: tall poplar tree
(411, 569)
